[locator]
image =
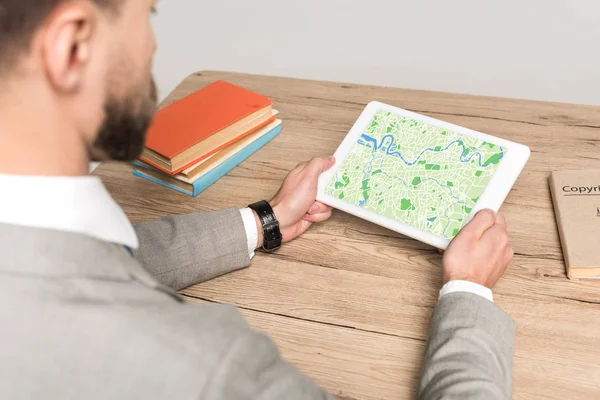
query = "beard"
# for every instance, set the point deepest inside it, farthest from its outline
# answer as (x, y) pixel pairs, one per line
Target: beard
(123, 132)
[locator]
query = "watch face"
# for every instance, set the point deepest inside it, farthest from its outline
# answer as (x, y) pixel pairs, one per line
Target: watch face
(271, 233)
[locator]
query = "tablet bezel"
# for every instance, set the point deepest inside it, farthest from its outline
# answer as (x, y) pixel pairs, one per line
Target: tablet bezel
(492, 197)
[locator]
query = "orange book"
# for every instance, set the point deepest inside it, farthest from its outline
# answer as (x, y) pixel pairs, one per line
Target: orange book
(203, 123)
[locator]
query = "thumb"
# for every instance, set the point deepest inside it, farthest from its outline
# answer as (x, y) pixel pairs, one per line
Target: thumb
(319, 164)
(482, 221)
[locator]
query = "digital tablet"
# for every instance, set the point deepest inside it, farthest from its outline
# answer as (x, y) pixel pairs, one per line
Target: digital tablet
(419, 176)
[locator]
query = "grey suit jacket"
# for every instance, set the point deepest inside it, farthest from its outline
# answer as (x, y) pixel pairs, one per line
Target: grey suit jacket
(82, 319)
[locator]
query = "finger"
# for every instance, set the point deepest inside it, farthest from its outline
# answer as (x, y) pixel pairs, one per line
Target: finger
(508, 254)
(483, 221)
(500, 220)
(318, 217)
(497, 237)
(319, 164)
(319, 208)
(300, 228)
(300, 167)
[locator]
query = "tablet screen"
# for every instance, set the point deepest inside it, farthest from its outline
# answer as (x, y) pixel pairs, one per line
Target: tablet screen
(419, 174)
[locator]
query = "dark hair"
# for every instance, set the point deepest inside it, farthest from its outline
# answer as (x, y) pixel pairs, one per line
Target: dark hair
(19, 20)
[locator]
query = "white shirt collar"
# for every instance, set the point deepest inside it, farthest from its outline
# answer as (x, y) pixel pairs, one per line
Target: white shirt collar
(73, 204)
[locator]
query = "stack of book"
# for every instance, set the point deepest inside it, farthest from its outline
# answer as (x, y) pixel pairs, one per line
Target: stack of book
(195, 141)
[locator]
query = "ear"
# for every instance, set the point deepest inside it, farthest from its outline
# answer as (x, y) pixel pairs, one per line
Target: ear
(66, 44)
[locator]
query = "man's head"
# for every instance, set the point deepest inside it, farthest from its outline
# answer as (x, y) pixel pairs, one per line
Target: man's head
(85, 65)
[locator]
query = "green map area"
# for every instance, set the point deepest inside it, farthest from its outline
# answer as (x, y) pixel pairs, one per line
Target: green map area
(415, 173)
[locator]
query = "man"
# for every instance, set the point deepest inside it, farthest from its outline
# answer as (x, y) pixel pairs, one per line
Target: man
(87, 302)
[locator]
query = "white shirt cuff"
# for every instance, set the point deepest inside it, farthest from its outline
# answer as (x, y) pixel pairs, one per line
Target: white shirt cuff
(251, 230)
(468, 287)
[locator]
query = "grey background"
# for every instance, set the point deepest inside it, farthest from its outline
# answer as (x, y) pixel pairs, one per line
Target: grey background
(534, 49)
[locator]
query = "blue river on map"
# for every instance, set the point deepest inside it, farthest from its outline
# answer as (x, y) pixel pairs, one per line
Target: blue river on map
(388, 151)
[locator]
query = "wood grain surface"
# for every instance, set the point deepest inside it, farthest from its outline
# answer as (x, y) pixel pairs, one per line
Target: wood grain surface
(349, 302)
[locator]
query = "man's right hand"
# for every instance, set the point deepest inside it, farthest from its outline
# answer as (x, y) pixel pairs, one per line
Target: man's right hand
(480, 253)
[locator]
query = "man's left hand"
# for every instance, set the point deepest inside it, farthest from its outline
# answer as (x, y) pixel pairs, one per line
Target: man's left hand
(295, 204)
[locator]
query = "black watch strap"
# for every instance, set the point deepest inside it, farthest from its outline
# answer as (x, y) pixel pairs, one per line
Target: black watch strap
(271, 233)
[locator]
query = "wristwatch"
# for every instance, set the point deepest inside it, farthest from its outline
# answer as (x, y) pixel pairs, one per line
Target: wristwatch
(271, 233)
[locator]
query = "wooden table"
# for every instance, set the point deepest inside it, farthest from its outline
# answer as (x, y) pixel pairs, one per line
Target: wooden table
(349, 302)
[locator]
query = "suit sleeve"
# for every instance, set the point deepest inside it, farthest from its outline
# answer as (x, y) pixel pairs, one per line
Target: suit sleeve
(470, 350)
(183, 250)
(254, 363)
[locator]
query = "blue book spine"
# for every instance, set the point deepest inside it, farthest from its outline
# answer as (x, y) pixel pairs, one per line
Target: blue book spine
(202, 183)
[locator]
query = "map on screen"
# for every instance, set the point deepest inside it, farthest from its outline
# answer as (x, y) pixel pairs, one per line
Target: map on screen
(419, 174)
